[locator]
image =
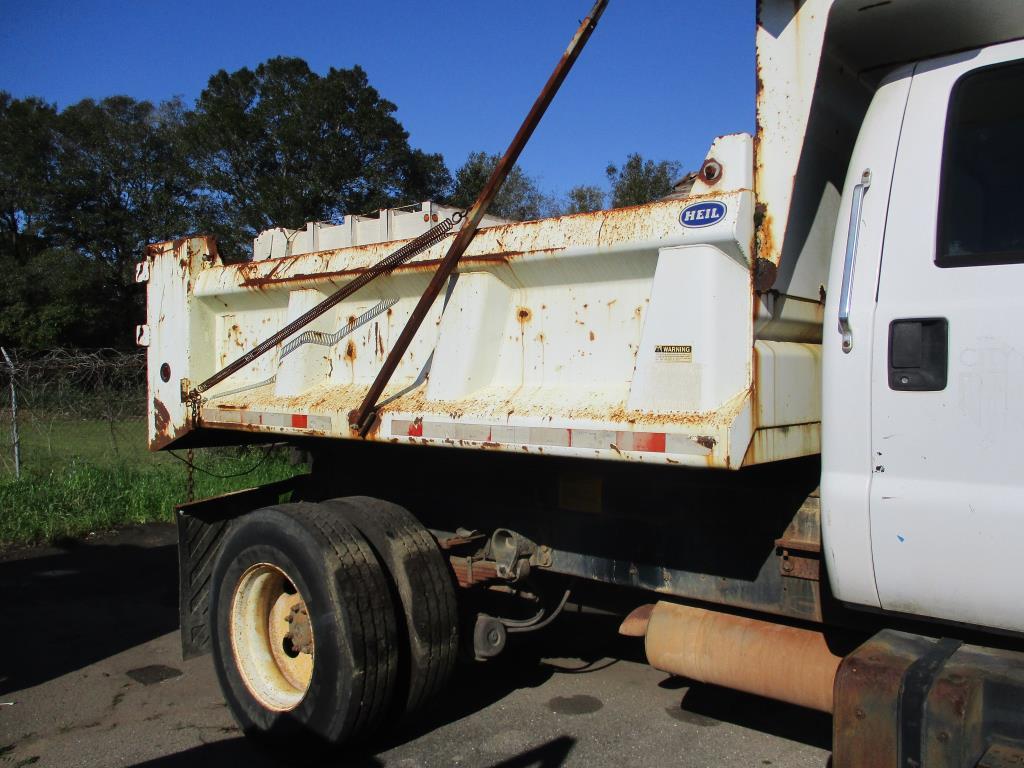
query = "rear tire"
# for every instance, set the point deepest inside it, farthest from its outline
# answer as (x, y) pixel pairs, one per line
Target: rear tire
(294, 581)
(423, 593)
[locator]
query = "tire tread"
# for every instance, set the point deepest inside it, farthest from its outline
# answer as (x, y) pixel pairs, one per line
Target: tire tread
(357, 569)
(430, 581)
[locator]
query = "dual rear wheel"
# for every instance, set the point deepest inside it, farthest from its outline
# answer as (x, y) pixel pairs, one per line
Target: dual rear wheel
(328, 619)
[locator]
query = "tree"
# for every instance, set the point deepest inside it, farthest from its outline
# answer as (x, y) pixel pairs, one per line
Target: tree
(60, 288)
(640, 181)
(120, 181)
(281, 145)
(584, 199)
(58, 298)
(519, 199)
(26, 167)
(84, 190)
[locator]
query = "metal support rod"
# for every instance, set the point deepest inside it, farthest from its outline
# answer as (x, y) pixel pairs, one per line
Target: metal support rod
(362, 418)
(14, 416)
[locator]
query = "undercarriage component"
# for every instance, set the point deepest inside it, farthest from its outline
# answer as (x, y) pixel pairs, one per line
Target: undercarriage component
(538, 621)
(509, 601)
(462, 540)
(768, 659)
(469, 572)
(635, 624)
(907, 700)
(505, 556)
(511, 553)
(489, 637)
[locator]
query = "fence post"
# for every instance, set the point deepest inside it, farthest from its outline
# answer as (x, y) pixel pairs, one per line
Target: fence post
(14, 417)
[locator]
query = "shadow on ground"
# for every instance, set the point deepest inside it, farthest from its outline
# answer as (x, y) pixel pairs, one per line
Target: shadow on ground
(76, 603)
(83, 602)
(709, 706)
(551, 754)
(575, 644)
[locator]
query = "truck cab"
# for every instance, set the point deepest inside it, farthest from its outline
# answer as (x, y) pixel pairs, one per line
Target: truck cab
(921, 499)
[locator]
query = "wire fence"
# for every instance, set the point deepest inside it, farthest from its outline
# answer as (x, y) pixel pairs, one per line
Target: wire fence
(68, 404)
(74, 457)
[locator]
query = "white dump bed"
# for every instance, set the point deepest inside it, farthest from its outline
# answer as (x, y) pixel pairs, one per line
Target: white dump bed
(623, 334)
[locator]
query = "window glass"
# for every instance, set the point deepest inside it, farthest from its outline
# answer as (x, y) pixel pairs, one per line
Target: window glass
(981, 204)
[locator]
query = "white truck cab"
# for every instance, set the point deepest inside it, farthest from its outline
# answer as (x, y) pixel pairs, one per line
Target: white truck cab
(922, 501)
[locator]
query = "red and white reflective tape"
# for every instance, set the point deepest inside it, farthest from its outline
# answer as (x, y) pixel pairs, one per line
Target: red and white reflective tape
(555, 437)
(483, 434)
(245, 417)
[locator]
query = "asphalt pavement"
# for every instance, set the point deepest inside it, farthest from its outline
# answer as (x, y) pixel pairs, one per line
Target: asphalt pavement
(92, 676)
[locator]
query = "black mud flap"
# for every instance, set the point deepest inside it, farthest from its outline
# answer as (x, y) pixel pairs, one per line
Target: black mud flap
(201, 526)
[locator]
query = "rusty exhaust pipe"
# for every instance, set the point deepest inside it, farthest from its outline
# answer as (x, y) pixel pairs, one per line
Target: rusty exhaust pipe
(635, 625)
(777, 661)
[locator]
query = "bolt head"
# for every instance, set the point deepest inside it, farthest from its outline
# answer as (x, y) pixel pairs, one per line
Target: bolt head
(711, 171)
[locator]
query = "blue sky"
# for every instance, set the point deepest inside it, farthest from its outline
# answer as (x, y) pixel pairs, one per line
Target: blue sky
(659, 77)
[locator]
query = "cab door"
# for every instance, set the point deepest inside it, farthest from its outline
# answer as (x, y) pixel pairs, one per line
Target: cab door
(947, 415)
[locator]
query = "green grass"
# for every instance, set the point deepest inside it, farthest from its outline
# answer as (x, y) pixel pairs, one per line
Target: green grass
(48, 443)
(74, 482)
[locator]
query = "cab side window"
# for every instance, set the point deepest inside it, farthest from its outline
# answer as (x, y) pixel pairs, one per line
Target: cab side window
(981, 202)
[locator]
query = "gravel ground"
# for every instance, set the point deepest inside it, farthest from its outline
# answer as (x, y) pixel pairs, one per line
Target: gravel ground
(93, 676)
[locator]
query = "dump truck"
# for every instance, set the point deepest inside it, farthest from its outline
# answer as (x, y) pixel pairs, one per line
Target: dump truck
(774, 418)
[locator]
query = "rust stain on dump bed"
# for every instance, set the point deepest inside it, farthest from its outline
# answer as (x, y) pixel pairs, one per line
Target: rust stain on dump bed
(492, 245)
(500, 407)
(414, 267)
(164, 433)
(161, 418)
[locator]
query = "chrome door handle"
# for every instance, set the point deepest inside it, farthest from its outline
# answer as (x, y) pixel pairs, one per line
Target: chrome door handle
(852, 237)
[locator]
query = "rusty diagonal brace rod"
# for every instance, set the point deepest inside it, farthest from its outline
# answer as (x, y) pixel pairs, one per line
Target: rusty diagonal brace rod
(385, 266)
(363, 417)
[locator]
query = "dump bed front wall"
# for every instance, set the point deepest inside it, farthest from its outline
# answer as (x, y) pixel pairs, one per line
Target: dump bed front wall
(818, 65)
(810, 104)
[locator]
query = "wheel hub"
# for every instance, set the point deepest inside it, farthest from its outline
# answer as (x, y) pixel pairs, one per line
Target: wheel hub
(272, 637)
(300, 634)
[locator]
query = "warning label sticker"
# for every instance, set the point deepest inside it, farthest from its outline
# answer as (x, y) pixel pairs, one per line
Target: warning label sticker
(673, 353)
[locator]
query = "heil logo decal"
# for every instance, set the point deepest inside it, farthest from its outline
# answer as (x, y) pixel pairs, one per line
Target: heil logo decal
(702, 214)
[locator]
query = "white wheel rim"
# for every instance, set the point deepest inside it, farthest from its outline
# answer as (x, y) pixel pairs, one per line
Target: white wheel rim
(274, 671)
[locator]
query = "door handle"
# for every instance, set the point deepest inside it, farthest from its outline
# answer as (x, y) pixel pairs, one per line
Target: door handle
(918, 354)
(852, 238)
